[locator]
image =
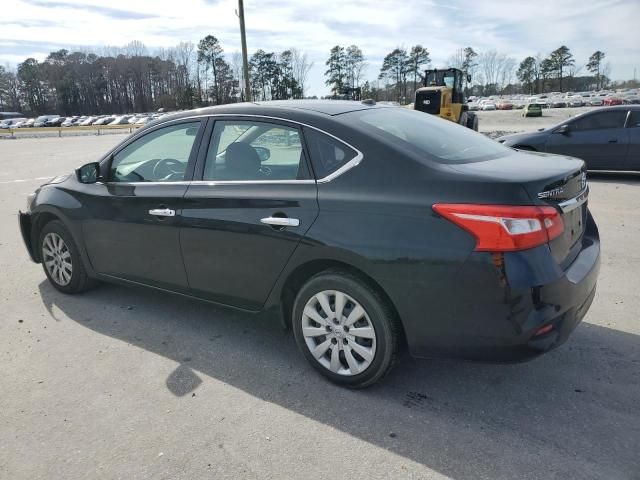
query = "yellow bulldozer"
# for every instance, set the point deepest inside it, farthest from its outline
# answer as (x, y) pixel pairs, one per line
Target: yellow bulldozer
(442, 94)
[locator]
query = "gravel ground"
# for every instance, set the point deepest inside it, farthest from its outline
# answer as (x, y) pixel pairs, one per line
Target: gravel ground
(134, 384)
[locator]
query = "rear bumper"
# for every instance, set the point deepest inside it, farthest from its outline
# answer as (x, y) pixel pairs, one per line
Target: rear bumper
(24, 219)
(501, 301)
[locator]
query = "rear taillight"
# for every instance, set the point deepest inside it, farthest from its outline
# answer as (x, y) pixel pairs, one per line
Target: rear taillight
(504, 228)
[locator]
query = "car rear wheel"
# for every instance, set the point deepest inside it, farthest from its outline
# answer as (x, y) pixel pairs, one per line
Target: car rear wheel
(61, 260)
(345, 329)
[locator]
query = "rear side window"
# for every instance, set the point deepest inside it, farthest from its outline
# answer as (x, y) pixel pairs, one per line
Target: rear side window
(600, 121)
(327, 153)
(426, 135)
(634, 119)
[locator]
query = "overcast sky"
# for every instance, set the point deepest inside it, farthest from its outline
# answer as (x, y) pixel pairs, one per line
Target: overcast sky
(33, 28)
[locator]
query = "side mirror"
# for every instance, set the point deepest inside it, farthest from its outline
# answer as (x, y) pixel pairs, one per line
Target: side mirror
(563, 129)
(88, 173)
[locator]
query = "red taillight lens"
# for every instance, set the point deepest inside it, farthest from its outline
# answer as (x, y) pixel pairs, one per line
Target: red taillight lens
(505, 228)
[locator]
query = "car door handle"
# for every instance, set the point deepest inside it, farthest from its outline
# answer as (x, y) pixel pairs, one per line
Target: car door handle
(613, 141)
(281, 221)
(162, 212)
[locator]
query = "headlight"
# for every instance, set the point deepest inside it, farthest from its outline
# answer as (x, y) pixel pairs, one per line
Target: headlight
(30, 198)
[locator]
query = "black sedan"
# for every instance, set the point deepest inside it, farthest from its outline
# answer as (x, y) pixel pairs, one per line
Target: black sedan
(606, 139)
(366, 228)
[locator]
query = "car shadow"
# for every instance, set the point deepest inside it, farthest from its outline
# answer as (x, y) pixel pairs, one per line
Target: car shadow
(625, 178)
(572, 413)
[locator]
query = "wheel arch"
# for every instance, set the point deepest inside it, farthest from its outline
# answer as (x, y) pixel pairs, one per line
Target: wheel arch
(303, 272)
(39, 221)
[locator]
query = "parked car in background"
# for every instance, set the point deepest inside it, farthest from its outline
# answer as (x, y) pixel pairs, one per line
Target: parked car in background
(87, 121)
(595, 101)
(606, 139)
(504, 105)
(43, 119)
(54, 122)
(143, 120)
(103, 121)
(611, 101)
(575, 101)
(11, 122)
(557, 102)
(532, 110)
(474, 250)
(487, 105)
(27, 123)
(121, 120)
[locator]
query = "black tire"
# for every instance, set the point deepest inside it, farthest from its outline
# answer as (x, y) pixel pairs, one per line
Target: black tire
(464, 119)
(379, 313)
(472, 122)
(79, 281)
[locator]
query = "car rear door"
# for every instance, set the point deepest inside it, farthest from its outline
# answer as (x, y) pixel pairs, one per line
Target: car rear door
(132, 230)
(633, 153)
(598, 138)
(253, 203)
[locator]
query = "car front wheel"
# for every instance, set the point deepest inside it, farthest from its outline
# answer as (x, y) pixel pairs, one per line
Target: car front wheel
(345, 329)
(61, 260)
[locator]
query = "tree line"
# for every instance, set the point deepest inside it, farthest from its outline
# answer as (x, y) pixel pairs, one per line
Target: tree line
(491, 72)
(129, 79)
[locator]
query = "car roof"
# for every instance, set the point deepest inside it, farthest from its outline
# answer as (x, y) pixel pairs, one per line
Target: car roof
(322, 108)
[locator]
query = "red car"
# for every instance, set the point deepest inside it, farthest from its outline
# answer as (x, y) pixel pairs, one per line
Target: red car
(504, 106)
(610, 101)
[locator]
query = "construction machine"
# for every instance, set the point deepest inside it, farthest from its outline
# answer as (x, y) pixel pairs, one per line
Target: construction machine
(442, 94)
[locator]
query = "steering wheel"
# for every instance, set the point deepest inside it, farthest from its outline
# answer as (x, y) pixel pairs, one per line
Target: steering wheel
(165, 168)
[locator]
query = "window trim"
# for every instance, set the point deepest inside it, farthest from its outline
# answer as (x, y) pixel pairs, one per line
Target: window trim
(207, 140)
(593, 113)
(206, 128)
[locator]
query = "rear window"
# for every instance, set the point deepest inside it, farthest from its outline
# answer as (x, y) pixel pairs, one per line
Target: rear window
(427, 135)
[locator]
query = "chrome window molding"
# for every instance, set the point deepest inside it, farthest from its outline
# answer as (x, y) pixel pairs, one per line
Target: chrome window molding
(355, 161)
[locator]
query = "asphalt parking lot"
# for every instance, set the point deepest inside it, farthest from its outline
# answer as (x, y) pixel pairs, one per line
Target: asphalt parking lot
(131, 383)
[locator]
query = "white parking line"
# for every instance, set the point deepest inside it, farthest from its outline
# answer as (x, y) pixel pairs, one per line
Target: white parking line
(28, 179)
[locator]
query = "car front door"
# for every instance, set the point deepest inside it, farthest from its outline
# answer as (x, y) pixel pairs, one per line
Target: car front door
(132, 231)
(598, 138)
(242, 221)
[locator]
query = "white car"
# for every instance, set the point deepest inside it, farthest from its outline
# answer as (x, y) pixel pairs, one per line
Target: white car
(11, 123)
(487, 105)
(122, 120)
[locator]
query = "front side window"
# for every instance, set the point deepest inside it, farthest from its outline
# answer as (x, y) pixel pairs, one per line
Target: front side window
(159, 156)
(254, 151)
(600, 121)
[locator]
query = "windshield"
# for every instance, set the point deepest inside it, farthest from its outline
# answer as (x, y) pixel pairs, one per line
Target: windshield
(438, 139)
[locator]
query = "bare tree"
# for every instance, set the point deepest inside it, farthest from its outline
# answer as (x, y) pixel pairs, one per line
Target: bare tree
(301, 66)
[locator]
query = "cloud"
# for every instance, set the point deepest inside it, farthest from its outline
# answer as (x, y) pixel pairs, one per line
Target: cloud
(518, 29)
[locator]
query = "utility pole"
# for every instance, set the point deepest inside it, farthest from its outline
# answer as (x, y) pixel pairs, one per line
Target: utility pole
(245, 62)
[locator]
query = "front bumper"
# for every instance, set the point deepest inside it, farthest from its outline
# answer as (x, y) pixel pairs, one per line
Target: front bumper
(500, 301)
(24, 219)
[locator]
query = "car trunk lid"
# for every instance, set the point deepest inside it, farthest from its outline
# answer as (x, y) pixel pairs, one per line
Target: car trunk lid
(548, 180)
